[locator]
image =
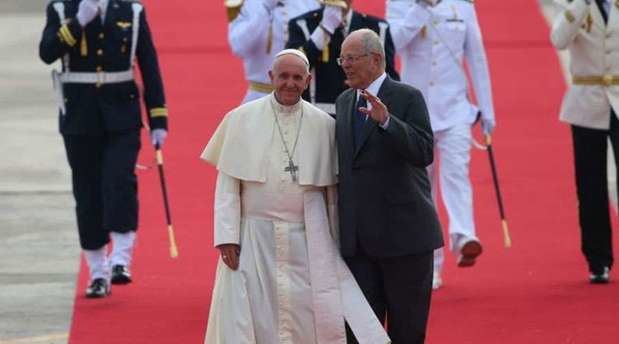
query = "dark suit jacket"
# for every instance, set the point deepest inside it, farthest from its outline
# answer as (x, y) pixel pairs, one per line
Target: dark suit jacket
(329, 77)
(385, 204)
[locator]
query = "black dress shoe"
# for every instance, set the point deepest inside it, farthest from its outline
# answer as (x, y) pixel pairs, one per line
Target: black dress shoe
(120, 275)
(98, 288)
(599, 277)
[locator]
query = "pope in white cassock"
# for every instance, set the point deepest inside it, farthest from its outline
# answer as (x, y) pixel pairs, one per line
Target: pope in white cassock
(280, 278)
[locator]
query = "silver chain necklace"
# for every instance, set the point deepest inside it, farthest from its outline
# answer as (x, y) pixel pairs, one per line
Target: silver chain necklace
(291, 168)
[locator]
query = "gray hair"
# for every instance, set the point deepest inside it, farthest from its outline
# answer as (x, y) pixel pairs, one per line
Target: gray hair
(372, 44)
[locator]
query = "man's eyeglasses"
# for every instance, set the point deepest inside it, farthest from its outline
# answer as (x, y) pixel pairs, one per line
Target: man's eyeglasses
(349, 59)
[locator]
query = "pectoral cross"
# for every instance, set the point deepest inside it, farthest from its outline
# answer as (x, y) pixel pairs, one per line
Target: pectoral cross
(292, 169)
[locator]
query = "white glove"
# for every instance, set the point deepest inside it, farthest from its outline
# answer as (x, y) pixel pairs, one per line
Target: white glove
(487, 125)
(270, 4)
(158, 136)
(332, 18)
(87, 11)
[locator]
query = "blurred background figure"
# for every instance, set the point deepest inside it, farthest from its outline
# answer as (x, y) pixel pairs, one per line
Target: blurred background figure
(433, 37)
(584, 27)
(320, 33)
(99, 42)
(258, 30)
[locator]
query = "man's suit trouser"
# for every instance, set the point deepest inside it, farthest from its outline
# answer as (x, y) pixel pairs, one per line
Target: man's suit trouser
(590, 160)
(104, 184)
(397, 288)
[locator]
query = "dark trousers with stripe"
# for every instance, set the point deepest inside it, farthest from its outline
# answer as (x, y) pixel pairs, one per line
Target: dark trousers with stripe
(104, 184)
(590, 161)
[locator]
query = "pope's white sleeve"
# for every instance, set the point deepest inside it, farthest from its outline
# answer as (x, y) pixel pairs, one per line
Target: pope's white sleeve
(475, 55)
(567, 23)
(249, 30)
(227, 229)
(405, 21)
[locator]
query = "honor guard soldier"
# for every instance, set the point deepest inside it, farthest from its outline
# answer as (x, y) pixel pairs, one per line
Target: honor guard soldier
(98, 43)
(433, 37)
(257, 31)
(588, 30)
(320, 33)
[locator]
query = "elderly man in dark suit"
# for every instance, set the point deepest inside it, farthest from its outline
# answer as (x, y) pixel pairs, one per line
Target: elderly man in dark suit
(388, 223)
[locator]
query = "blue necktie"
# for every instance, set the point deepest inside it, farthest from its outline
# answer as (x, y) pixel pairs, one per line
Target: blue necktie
(358, 121)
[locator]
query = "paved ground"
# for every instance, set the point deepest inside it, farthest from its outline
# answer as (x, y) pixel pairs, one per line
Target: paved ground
(38, 250)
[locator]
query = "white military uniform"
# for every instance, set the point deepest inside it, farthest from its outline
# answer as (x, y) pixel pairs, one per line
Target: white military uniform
(257, 34)
(594, 61)
(432, 42)
(292, 286)
(593, 45)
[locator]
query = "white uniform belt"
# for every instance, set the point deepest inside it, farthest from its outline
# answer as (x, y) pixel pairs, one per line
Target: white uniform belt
(326, 107)
(96, 78)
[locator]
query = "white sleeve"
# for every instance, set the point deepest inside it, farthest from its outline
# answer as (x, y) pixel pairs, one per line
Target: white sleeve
(475, 55)
(405, 21)
(227, 228)
(566, 25)
(249, 30)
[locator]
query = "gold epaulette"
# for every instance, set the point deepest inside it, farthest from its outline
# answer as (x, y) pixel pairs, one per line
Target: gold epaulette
(233, 8)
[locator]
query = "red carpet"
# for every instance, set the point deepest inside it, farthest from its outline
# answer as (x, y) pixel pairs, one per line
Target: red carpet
(535, 292)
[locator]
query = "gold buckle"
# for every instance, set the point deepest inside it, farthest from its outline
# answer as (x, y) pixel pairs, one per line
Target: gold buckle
(607, 80)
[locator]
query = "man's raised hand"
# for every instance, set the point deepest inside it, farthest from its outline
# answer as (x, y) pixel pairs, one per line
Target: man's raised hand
(378, 112)
(87, 11)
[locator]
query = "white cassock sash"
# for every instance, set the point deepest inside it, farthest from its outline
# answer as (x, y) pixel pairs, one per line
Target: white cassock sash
(336, 295)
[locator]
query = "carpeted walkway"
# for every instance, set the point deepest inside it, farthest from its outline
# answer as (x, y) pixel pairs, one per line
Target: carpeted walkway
(535, 292)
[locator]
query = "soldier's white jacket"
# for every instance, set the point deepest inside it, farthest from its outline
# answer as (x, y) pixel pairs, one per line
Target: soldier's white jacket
(432, 43)
(257, 34)
(593, 46)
